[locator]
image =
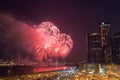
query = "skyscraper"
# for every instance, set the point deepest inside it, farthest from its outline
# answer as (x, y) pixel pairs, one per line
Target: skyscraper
(94, 48)
(105, 38)
(116, 48)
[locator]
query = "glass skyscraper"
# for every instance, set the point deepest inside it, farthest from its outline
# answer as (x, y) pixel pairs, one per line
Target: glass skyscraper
(116, 48)
(105, 39)
(95, 54)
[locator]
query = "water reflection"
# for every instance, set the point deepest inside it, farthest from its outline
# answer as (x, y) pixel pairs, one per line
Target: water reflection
(44, 69)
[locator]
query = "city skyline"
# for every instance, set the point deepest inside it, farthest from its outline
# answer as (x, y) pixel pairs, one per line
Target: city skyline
(75, 18)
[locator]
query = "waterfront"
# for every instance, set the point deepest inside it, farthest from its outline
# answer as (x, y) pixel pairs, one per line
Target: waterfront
(112, 72)
(9, 70)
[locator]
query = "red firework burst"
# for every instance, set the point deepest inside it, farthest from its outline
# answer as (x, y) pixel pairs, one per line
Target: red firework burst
(52, 42)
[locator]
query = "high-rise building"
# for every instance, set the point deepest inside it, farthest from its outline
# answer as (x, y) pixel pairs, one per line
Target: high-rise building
(116, 48)
(94, 48)
(105, 38)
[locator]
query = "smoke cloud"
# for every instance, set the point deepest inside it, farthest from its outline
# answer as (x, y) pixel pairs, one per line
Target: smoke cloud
(15, 38)
(20, 40)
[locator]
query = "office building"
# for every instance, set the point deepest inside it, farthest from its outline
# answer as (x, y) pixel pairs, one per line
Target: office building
(105, 39)
(95, 53)
(116, 48)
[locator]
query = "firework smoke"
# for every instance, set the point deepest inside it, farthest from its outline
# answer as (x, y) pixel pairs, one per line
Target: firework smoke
(41, 43)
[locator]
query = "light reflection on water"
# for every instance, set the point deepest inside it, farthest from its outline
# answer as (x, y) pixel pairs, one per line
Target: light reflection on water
(44, 69)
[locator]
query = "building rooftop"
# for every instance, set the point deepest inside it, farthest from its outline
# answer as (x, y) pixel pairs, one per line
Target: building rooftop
(105, 23)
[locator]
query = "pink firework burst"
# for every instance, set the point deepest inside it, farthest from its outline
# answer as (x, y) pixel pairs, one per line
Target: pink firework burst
(52, 42)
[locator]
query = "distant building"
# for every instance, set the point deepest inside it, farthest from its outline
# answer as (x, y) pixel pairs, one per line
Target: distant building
(105, 39)
(116, 48)
(95, 52)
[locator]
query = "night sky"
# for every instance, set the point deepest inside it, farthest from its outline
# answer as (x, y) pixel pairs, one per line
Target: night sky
(74, 17)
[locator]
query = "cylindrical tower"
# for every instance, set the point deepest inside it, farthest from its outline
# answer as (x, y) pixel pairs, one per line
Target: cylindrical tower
(94, 48)
(116, 48)
(105, 38)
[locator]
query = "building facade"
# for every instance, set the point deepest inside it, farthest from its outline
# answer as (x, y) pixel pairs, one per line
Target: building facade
(116, 48)
(95, 52)
(105, 39)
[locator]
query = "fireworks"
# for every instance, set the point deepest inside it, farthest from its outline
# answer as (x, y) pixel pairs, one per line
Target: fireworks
(53, 43)
(43, 42)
